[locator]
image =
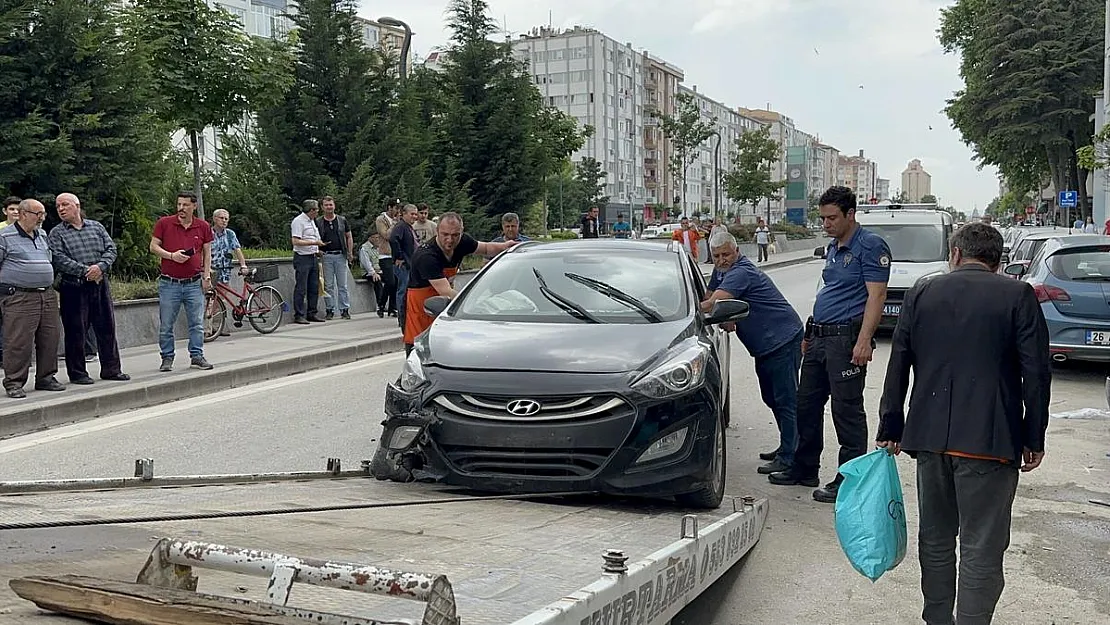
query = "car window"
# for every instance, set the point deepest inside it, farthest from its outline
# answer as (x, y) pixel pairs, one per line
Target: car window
(1027, 249)
(508, 290)
(1081, 264)
(913, 243)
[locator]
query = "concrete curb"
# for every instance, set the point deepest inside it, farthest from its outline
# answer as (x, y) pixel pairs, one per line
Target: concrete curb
(132, 396)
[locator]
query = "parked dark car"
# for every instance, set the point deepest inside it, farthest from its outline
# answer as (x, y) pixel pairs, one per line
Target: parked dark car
(572, 366)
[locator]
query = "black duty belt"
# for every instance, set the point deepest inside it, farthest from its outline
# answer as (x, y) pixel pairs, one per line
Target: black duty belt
(11, 288)
(179, 280)
(334, 252)
(821, 330)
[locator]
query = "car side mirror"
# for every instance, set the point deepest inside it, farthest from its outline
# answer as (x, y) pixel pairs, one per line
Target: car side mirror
(1015, 269)
(435, 305)
(727, 311)
(820, 252)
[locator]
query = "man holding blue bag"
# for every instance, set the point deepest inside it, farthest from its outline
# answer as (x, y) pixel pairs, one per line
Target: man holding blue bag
(978, 347)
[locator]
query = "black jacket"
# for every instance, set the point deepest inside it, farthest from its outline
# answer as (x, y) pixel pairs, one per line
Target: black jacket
(402, 242)
(978, 346)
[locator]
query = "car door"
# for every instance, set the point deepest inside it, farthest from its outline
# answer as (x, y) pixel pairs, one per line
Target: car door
(722, 343)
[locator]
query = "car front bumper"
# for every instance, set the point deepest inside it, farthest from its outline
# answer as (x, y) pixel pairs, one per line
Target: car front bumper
(464, 442)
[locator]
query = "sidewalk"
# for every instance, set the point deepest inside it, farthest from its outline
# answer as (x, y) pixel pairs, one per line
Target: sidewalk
(241, 359)
(776, 261)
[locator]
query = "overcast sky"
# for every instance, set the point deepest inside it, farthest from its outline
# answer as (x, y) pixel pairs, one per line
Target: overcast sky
(861, 74)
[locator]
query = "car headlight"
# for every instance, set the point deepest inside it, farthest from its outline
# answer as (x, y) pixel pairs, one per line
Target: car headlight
(412, 375)
(678, 375)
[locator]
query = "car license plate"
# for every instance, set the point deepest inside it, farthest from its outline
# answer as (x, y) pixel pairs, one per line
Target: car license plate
(892, 310)
(1098, 337)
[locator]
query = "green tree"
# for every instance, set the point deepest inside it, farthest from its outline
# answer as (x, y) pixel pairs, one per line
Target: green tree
(686, 130)
(249, 187)
(928, 198)
(76, 116)
(338, 85)
(207, 72)
(590, 179)
(901, 197)
(504, 141)
(750, 181)
(1030, 68)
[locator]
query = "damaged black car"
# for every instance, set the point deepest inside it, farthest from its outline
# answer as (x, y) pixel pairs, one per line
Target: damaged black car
(572, 366)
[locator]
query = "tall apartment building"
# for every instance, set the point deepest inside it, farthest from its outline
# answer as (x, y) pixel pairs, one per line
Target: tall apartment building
(822, 168)
(882, 189)
(269, 19)
(661, 87)
(599, 82)
(791, 161)
(701, 192)
(916, 182)
(860, 174)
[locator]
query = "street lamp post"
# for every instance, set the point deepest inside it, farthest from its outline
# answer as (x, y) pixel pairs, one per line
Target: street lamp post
(717, 175)
(396, 23)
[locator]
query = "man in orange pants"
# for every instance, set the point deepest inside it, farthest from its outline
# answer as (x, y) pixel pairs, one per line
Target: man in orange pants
(432, 267)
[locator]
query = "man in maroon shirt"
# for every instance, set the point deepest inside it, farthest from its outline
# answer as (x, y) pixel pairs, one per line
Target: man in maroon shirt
(184, 243)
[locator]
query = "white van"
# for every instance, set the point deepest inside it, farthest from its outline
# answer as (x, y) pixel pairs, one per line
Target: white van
(918, 237)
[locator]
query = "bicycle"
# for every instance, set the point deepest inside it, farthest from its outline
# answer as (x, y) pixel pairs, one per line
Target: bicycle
(262, 306)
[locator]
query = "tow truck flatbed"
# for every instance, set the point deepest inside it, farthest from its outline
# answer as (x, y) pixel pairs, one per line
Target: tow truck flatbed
(509, 561)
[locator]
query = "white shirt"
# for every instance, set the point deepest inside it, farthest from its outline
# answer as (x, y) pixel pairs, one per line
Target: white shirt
(1090, 229)
(303, 227)
(762, 235)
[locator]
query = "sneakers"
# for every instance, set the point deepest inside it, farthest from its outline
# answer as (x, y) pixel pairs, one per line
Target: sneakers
(167, 364)
(198, 362)
(346, 314)
(329, 315)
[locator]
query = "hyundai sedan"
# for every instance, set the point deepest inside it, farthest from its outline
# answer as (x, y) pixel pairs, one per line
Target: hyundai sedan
(573, 366)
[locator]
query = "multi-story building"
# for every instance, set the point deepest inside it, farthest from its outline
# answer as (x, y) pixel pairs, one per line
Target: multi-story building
(882, 189)
(661, 87)
(701, 191)
(793, 145)
(858, 173)
(916, 182)
(599, 82)
(821, 168)
(270, 19)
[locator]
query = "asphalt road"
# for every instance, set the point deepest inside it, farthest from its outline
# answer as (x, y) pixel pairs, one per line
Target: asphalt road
(1057, 567)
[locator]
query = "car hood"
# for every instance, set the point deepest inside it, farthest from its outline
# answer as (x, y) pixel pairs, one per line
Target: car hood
(557, 347)
(905, 275)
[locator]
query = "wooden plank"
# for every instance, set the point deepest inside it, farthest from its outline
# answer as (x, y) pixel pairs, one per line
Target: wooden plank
(123, 603)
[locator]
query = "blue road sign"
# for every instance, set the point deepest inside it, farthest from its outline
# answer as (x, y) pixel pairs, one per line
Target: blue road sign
(1069, 199)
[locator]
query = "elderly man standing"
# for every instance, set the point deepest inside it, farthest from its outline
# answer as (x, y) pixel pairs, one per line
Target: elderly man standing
(773, 334)
(977, 345)
(225, 248)
(306, 270)
(29, 304)
(83, 254)
(184, 243)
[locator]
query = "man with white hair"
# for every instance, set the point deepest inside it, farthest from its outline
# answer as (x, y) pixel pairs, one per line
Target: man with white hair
(772, 333)
(83, 254)
(225, 247)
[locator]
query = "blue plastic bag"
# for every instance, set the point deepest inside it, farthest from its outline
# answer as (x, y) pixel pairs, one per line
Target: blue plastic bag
(871, 515)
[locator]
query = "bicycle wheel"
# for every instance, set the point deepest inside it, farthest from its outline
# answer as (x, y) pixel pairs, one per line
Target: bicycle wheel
(264, 309)
(215, 316)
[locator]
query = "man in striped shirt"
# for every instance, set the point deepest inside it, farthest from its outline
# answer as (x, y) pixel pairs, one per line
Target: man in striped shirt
(83, 254)
(29, 303)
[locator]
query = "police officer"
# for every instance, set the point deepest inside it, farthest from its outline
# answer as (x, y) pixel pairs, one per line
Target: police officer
(838, 343)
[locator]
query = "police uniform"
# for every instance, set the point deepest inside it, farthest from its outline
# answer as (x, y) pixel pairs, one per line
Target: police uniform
(827, 368)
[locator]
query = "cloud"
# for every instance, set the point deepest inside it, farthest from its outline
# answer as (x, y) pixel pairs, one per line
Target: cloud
(717, 15)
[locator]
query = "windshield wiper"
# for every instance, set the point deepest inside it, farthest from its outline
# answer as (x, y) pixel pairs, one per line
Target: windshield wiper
(614, 293)
(565, 304)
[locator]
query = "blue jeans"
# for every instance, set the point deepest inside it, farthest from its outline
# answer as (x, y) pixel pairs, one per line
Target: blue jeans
(335, 280)
(778, 385)
(171, 297)
(401, 274)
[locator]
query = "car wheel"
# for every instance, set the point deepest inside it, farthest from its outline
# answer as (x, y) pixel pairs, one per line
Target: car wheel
(726, 416)
(711, 494)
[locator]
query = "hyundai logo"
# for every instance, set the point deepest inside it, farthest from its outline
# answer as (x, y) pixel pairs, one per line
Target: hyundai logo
(523, 407)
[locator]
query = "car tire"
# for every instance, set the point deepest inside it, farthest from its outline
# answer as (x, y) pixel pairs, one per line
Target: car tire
(726, 412)
(710, 495)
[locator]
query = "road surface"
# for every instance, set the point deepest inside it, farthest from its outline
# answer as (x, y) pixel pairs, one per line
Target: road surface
(1057, 568)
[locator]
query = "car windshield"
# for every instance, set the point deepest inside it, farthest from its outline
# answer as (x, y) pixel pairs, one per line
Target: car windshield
(587, 286)
(1081, 264)
(913, 243)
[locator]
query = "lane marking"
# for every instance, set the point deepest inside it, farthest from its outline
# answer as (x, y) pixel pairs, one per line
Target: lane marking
(143, 414)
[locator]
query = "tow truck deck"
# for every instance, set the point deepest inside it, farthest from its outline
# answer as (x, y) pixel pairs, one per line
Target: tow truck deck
(577, 560)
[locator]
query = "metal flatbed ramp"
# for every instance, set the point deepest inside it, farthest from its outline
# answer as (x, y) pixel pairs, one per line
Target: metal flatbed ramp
(505, 559)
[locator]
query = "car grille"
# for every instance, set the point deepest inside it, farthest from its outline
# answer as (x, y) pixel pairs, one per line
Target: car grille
(529, 410)
(533, 462)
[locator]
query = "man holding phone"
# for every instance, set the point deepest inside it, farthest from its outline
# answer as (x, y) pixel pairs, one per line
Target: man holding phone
(184, 243)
